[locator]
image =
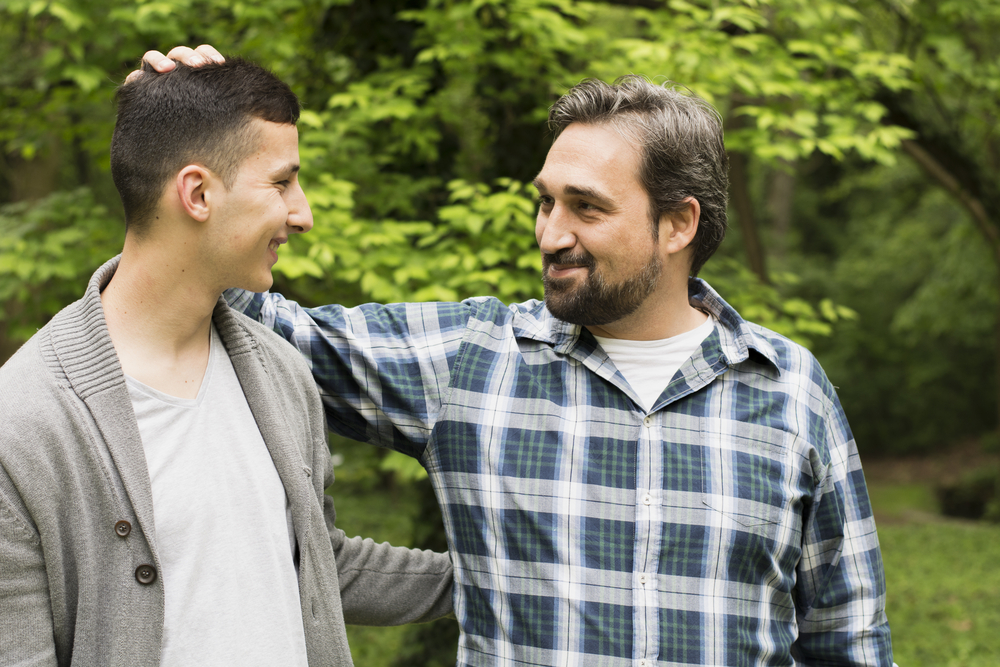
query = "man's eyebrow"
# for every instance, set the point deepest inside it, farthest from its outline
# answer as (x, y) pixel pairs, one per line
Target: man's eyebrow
(286, 170)
(583, 191)
(576, 190)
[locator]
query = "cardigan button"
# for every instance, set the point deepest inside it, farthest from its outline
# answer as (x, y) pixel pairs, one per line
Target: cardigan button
(123, 528)
(145, 574)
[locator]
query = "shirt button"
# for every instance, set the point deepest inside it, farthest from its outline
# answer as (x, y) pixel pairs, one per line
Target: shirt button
(647, 499)
(643, 663)
(123, 528)
(642, 579)
(648, 421)
(145, 574)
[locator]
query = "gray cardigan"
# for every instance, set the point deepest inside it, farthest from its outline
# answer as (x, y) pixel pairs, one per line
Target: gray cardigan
(75, 581)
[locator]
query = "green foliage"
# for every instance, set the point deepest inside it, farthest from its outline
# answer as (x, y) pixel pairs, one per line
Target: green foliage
(764, 304)
(923, 286)
(975, 495)
(798, 68)
(481, 243)
(48, 250)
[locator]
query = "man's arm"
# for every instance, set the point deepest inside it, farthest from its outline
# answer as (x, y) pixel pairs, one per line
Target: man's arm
(26, 632)
(378, 584)
(840, 594)
(385, 585)
(382, 371)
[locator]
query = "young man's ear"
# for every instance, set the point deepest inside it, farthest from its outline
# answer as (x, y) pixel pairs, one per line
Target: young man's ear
(192, 185)
(678, 229)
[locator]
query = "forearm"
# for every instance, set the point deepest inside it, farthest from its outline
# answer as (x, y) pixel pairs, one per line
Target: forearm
(385, 585)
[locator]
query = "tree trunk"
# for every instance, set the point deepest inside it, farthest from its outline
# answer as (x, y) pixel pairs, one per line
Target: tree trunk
(740, 191)
(779, 205)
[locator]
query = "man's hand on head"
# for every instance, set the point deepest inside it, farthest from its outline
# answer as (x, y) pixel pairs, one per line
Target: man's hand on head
(205, 53)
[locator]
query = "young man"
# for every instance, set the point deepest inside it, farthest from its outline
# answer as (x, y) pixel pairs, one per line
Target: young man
(630, 473)
(163, 459)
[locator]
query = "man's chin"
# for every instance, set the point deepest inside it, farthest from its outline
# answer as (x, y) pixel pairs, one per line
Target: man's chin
(256, 284)
(565, 307)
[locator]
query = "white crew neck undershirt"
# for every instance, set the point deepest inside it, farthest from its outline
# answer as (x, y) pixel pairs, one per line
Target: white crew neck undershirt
(649, 365)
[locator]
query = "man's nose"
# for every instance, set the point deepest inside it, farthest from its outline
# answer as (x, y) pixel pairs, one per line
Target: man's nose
(300, 217)
(553, 230)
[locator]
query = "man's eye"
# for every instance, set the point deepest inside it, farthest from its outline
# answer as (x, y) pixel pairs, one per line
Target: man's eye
(545, 200)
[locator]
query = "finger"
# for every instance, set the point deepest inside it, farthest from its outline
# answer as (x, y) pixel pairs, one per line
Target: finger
(154, 59)
(187, 56)
(158, 61)
(211, 53)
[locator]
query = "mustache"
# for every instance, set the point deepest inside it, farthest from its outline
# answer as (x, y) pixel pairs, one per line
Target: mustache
(567, 257)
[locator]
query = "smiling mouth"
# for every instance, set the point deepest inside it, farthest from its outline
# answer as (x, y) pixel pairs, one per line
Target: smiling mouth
(560, 270)
(562, 265)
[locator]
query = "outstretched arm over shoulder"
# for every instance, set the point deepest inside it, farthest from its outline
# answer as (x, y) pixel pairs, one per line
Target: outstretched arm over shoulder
(383, 371)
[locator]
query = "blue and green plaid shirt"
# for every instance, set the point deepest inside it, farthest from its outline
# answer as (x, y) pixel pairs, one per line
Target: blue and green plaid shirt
(729, 525)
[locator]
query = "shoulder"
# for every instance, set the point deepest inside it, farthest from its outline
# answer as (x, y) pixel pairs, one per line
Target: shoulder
(778, 361)
(25, 379)
(245, 335)
(36, 374)
(798, 367)
(42, 419)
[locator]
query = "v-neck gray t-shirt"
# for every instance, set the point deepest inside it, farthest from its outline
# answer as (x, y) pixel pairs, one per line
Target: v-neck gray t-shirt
(223, 527)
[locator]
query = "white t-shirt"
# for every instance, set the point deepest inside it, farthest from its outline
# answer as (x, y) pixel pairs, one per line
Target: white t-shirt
(223, 527)
(648, 365)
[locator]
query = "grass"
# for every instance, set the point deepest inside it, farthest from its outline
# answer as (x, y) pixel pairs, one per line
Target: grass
(942, 578)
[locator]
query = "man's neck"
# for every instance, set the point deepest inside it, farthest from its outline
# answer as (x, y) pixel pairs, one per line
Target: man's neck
(159, 316)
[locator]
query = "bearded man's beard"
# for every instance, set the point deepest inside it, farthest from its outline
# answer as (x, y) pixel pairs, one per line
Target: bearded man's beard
(596, 302)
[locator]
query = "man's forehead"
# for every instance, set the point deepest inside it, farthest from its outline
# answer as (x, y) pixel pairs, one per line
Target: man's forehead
(588, 160)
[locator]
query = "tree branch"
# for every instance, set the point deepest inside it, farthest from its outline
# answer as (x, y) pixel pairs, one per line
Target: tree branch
(974, 206)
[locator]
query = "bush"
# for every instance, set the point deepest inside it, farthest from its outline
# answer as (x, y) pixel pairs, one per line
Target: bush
(976, 495)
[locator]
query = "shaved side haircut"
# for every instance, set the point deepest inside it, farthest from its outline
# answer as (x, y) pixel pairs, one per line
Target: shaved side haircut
(200, 115)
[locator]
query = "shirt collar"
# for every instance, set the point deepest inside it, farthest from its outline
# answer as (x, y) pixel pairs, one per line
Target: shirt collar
(738, 339)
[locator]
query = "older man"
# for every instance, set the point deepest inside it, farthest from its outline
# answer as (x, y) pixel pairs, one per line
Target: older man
(630, 473)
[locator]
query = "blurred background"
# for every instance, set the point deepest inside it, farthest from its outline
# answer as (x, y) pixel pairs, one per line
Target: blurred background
(865, 215)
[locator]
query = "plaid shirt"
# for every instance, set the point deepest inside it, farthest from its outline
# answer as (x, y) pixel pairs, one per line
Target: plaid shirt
(729, 525)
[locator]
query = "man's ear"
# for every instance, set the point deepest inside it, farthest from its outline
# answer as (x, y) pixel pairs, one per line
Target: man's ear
(677, 229)
(192, 184)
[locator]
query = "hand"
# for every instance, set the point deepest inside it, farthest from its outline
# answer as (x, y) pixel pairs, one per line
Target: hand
(183, 54)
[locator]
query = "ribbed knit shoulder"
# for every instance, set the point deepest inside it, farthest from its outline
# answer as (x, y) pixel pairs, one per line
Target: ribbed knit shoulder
(76, 344)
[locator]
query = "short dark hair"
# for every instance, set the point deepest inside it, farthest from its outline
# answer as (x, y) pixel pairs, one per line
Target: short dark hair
(681, 140)
(188, 115)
